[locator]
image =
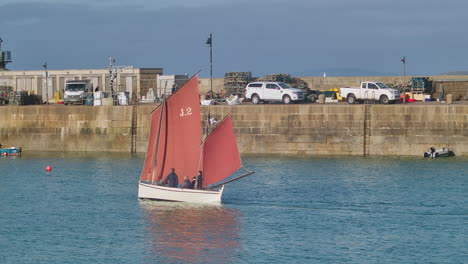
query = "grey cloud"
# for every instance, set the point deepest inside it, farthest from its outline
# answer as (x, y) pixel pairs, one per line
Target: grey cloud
(260, 36)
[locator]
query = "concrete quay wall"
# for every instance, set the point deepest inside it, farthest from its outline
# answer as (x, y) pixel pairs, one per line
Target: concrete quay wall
(315, 129)
(339, 129)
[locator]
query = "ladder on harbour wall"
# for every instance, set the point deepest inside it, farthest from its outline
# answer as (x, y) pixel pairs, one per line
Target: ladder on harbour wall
(367, 129)
(134, 128)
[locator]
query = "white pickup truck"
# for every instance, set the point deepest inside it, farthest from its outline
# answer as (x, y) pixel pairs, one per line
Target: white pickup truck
(273, 91)
(370, 90)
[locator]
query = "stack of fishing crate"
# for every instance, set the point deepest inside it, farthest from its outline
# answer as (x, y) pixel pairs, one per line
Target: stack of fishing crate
(235, 82)
(20, 98)
(15, 98)
(421, 85)
(286, 78)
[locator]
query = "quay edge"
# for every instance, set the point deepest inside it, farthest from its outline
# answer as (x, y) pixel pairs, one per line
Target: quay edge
(299, 129)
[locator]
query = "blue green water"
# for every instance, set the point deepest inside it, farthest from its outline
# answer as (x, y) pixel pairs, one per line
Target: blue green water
(293, 210)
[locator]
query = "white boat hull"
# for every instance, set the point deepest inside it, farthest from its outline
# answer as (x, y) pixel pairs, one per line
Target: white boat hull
(443, 152)
(156, 192)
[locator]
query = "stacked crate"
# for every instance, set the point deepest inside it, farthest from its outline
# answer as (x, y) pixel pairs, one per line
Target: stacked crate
(20, 98)
(4, 94)
(235, 82)
(421, 85)
(286, 78)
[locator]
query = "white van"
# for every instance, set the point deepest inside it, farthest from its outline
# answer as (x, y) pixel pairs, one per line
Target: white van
(75, 91)
(273, 91)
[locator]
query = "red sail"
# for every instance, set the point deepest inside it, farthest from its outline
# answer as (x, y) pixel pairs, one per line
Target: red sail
(148, 173)
(180, 136)
(220, 154)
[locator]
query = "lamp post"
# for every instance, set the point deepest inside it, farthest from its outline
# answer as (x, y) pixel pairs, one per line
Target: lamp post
(2, 64)
(47, 82)
(404, 77)
(209, 42)
(404, 68)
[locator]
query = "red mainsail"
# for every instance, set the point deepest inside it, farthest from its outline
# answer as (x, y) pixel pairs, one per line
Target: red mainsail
(220, 154)
(175, 135)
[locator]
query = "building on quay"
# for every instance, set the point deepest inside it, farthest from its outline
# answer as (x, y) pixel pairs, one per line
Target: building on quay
(135, 81)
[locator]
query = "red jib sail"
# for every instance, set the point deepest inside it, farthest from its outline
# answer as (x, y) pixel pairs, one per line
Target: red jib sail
(175, 141)
(220, 154)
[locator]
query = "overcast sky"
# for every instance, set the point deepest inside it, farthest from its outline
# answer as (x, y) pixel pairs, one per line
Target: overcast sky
(300, 37)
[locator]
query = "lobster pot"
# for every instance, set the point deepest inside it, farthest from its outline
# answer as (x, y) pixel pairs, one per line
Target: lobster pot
(235, 82)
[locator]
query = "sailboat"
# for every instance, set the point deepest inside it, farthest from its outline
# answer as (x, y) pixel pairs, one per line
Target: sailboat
(175, 142)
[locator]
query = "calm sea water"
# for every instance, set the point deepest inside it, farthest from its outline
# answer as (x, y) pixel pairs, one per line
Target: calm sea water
(293, 210)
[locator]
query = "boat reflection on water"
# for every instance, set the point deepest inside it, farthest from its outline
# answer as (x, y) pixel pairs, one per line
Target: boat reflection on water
(191, 233)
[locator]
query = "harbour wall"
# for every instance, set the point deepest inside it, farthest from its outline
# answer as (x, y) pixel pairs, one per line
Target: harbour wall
(302, 129)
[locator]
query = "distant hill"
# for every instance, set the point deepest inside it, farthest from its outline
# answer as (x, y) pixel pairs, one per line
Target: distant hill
(455, 73)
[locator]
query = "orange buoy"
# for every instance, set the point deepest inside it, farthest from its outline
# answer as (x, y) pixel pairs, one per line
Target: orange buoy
(48, 168)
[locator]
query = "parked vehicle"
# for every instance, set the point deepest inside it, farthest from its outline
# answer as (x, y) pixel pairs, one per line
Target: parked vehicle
(370, 91)
(11, 151)
(75, 91)
(273, 91)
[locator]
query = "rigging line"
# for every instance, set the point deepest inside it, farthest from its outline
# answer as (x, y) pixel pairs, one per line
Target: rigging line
(219, 123)
(207, 124)
(235, 179)
(201, 163)
(200, 160)
(247, 170)
(202, 146)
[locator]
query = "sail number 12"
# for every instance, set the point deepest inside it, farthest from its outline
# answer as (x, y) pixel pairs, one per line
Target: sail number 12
(186, 112)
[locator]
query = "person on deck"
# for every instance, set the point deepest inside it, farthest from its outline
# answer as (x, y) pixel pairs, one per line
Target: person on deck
(194, 182)
(199, 181)
(186, 184)
(171, 179)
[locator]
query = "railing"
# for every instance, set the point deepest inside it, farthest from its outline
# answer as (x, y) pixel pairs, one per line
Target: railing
(371, 99)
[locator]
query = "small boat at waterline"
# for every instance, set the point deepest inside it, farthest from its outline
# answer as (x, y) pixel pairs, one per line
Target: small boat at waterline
(12, 151)
(439, 153)
(175, 141)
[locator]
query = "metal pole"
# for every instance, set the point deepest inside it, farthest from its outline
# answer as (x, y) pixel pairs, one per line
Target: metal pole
(404, 77)
(2, 64)
(211, 65)
(404, 70)
(47, 82)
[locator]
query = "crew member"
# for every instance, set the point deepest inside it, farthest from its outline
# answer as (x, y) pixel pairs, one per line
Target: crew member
(199, 181)
(186, 184)
(171, 179)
